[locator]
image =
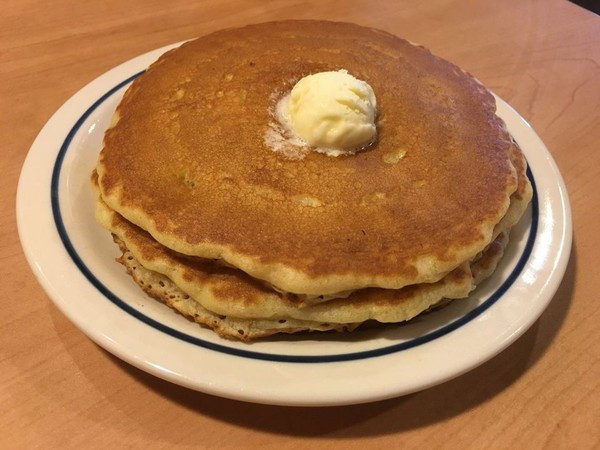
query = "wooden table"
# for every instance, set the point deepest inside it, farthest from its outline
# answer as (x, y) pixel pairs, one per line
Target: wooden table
(57, 388)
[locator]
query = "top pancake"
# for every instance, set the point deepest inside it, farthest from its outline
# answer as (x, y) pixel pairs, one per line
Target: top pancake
(187, 161)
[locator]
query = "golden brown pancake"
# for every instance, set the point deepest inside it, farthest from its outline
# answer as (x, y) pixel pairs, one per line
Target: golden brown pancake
(187, 161)
(214, 285)
(231, 292)
(237, 306)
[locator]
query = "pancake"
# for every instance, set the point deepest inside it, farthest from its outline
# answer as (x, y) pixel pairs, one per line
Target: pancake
(215, 296)
(231, 292)
(187, 161)
(237, 306)
(520, 199)
(163, 289)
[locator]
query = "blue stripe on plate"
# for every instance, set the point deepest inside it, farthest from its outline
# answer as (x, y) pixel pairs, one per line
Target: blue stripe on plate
(54, 197)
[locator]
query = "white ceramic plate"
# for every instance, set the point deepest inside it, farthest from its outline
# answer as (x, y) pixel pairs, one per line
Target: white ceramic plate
(73, 258)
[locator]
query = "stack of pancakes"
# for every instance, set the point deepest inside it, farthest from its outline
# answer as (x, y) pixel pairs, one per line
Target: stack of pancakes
(248, 241)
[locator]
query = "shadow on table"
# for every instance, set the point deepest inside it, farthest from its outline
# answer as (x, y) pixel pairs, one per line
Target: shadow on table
(389, 416)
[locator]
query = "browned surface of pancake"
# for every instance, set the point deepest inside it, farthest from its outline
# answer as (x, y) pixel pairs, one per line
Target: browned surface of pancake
(187, 161)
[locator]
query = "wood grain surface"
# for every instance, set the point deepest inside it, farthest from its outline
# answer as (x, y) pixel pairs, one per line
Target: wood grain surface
(58, 389)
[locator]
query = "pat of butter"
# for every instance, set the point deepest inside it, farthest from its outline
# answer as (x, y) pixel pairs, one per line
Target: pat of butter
(332, 110)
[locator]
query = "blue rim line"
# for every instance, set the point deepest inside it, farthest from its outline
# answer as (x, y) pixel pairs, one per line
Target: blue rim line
(261, 355)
